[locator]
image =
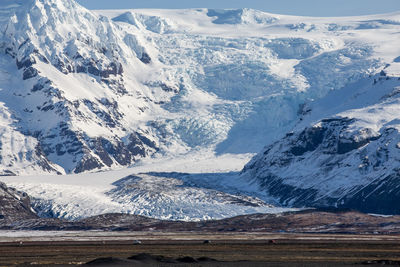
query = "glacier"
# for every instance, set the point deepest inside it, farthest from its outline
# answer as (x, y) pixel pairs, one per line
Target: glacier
(202, 90)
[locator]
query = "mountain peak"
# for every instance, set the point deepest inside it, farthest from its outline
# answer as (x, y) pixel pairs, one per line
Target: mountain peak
(34, 14)
(23, 5)
(240, 16)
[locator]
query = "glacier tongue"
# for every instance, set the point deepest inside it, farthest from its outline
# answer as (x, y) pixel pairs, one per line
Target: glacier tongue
(156, 188)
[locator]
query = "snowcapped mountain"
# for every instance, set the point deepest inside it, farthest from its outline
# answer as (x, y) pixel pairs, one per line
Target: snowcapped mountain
(62, 84)
(84, 91)
(344, 153)
(196, 91)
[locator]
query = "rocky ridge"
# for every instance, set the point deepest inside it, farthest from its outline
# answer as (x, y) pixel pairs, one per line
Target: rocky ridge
(348, 159)
(14, 206)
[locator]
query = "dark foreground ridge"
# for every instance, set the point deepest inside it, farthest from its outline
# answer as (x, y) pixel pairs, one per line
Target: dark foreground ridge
(145, 258)
(307, 221)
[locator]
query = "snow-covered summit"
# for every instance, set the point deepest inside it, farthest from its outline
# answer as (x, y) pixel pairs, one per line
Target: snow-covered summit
(241, 16)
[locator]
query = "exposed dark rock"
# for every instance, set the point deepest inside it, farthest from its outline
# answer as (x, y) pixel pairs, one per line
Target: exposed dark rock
(107, 151)
(309, 140)
(88, 163)
(26, 62)
(137, 142)
(81, 69)
(167, 88)
(116, 85)
(381, 196)
(29, 73)
(93, 70)
(42, 83)
(118, 151)
(112, 69)
(15, 213)
(60, 149)
(110, 117)
(14, 205)
(23, 43)
(287, 193)
(349, 145)
(47, 108)
(146, 59)
(63, 65)
(53, 92)
(137, 136)
(9, 51)
(123, 154)
(44, 163)
(71, 141)
(43, 59)
(6, 172)
(101, 152)
(346, 145)
(56, 141)
(78, 56)
(328, 137)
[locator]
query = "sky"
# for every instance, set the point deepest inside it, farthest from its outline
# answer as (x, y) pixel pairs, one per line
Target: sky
(322, 8)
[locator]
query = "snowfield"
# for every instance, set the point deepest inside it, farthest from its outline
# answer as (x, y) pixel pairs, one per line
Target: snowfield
(116, 100)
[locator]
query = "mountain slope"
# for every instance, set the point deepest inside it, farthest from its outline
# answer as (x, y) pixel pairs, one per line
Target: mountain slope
(348, 159)
(65, 86)
(90, 91)
(14, 206)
